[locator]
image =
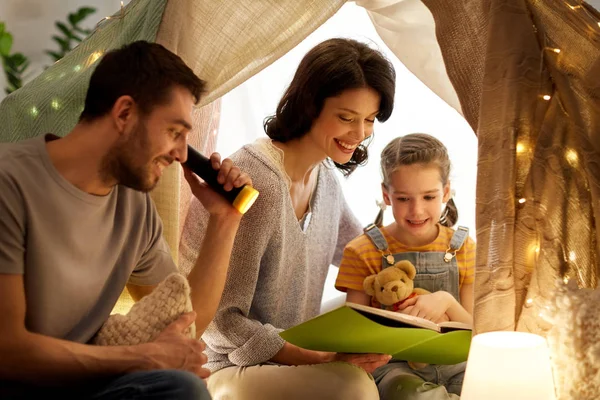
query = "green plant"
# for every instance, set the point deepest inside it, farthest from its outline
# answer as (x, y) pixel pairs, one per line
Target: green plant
(71, 32)
(14, 65)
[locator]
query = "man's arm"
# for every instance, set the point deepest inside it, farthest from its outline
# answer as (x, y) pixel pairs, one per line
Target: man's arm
(31, 357)
(207, 278)
(137, 292)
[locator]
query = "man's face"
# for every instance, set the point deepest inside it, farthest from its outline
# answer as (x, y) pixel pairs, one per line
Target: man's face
(153, 143)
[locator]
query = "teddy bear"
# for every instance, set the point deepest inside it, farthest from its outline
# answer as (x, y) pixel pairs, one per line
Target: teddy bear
(393, 285)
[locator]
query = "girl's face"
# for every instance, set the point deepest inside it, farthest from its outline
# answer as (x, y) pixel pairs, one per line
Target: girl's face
(345, 121)
(416, 194)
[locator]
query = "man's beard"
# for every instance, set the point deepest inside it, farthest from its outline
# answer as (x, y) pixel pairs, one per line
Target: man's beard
(124, 162)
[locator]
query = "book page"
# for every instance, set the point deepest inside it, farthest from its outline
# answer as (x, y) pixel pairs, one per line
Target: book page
(449, 326)
(404, 318)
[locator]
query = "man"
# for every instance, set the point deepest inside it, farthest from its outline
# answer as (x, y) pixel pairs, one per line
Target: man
(77, 224)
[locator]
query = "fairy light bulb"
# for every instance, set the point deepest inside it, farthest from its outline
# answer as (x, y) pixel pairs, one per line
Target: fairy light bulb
(572, 157)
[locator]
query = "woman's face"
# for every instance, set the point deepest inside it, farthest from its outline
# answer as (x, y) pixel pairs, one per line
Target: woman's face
(345, 121)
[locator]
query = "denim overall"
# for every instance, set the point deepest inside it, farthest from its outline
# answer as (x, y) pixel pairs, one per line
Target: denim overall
(435, 271)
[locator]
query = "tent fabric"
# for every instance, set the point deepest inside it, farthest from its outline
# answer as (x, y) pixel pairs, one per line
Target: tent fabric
(225, 43)
(538, 170)
(408, 29)
(53, 100)
(535, 111)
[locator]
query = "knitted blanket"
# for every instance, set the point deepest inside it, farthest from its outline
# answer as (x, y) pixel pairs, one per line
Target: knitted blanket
(149, 316)
(574, 342)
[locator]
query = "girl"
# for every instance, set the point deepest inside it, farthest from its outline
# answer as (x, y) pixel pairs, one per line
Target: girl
(297, 227)
(416, 184)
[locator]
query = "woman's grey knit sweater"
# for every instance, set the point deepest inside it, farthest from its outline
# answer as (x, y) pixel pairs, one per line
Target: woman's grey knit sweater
(278, 269)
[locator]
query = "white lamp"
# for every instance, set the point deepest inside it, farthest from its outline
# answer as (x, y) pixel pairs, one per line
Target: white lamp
(508, 366)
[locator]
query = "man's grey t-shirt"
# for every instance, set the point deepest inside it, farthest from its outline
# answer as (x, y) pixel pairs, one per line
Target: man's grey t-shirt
(76, 251)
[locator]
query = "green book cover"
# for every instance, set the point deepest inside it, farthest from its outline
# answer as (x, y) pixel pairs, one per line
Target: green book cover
(360, 329)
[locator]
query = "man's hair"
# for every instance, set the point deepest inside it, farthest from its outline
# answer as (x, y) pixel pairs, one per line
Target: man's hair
(145, 71)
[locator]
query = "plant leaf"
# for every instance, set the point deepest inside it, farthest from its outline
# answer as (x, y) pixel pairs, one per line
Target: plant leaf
(65, 30)
(54, 55)
(72, 19)
(84, 12)
(6, 41)
(63, 43)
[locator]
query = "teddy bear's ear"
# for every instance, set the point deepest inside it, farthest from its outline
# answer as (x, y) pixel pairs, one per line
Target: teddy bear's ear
(407, 267)
(368, 285)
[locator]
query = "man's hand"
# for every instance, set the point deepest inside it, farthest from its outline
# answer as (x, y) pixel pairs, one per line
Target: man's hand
(431, 306)
(173, 350)
(368, 362)
(229, 176)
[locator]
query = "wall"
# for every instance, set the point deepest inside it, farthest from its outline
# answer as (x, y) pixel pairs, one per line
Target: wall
(31, 23)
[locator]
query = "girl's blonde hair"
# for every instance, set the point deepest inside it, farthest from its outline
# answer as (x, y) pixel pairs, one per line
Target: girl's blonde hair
(418, 148)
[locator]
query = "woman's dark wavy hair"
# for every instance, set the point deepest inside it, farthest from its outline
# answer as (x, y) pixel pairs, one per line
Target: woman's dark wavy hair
(327, 70)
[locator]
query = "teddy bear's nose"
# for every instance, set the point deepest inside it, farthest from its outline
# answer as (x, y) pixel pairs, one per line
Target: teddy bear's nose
(395, 288)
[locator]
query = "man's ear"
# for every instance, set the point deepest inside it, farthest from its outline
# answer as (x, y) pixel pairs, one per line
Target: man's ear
(386, 196)
(369, 285)
(447, 193)
(123, 112)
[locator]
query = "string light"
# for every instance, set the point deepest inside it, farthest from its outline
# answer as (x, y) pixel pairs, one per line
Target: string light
(121, 16)
(572, 157)
(570, 154)
(94, 57)
(581, 6)
(55, 104)
(553, 49)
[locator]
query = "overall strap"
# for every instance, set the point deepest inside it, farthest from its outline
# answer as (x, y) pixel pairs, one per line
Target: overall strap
(456, 242)
(374, 233)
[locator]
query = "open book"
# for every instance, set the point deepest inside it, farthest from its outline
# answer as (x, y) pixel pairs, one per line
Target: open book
(405, 319)
(354, 328)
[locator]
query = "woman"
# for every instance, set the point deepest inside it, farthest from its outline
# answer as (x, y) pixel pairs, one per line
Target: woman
(298, 226)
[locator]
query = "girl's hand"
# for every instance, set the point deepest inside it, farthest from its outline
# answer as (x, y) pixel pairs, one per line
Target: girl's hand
(432, 306)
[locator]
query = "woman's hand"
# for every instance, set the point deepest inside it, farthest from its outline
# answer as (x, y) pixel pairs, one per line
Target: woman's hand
(368, 362)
